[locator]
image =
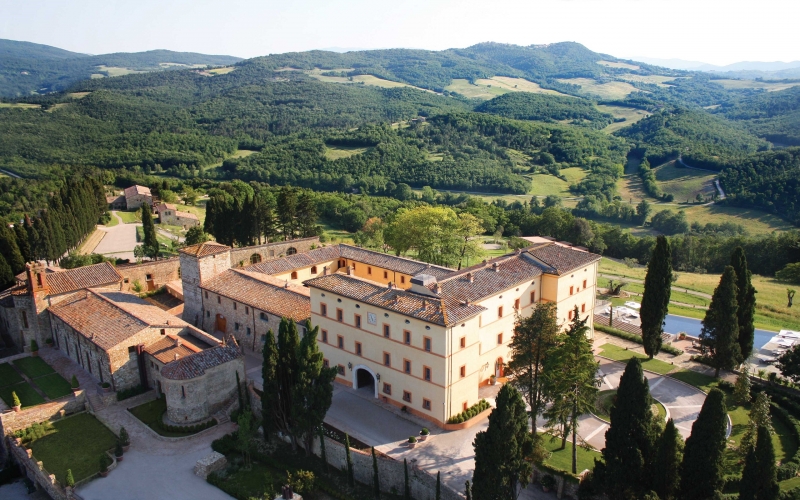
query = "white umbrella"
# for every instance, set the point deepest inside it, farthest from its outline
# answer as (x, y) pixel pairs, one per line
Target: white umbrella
(634, 305)
(789, 334)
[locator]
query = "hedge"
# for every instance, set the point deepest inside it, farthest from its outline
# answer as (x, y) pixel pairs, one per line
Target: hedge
(635, 338)
(129, 393)
(469, 413)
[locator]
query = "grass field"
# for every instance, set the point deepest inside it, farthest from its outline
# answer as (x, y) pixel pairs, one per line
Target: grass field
(128, 217)
(754, 221)
(221, 71)
(240, 153)
(771, 311)
(198, 209)
(74, 443)
(621, 65)
(78, 95)
(752, 84)
(54, 385)
(117, 71)
(546, 184)
(489, 88)
(25, 392)
(609, 90)
(685, 183)
(19, 105)
(653, 79)
(621, 354)
(8, 375)
(337, 152)
(631, 115)
(562, 459)
(364, 79)
(33, 367)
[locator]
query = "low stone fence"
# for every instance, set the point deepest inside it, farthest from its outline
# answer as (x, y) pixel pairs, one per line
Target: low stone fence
(12, 421)
(35, 471)
(564, 487)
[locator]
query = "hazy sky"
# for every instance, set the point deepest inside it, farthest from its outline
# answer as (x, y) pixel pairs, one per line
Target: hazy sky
(712, 31)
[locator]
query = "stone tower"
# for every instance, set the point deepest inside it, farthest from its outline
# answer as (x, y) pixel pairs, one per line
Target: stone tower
(200, 263)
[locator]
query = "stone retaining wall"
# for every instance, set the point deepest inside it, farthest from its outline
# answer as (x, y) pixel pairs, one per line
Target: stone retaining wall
(35, 471)
(13, 421)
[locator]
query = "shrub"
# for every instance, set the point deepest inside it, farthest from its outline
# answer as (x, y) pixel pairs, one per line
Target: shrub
(301, 481)
(548, 481)
(34, 345)
(425, 431)
(635, 338)
(74, 382)
(787, 471)
(412, 439)
(70, 480)
(49, 341)
(123, 437)
(105, 462)
(118, 449)
(129, 393)
(15, 399)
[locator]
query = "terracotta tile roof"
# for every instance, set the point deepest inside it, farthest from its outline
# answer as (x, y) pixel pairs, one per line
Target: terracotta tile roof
(297, 261)
(204, 249)
(5, 295)
(109, 318)
(393, 263)
(137, 189)
(185, 215)
(165, 206)
(562, 259)
(165, 349)
(437, 310)
(196, 365)
(261, 292)
(488, 279)
(82, 277)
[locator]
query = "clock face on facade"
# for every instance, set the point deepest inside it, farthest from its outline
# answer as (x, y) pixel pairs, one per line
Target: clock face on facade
(371, 318)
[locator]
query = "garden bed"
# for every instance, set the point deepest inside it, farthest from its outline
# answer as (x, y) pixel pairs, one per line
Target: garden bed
(152, 414)
(75, 443)
(8, 375)
(617, 353)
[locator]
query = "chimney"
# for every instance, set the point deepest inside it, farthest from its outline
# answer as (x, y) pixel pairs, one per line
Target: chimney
(176, 357)
(396, 299)
(177, 341)
(349, 270)
(37, 281)
(496, 267)
(437, 289)
(390, 285)
(470, 277)
(325, 271)
(424, 303)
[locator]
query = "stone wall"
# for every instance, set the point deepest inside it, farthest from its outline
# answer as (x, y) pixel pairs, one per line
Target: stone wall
(136, 201)
(11, 421)
(197, 399)
(193, 272)
(269, 251)
(34, 470)
(160, 272)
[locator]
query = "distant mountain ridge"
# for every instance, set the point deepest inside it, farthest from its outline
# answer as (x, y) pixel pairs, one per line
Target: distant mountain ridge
(27, 68)
(742, 69)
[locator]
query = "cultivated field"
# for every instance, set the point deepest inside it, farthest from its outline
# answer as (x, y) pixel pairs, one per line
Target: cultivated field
(546, 184)
(336, 152)
(19, 105)
(685, 183)
(610, 90)
(654, 79)
(752, 84)
(754, 221)
(621, 65)
(116, 71)
(240, 153)
(362, 79)
(631, 115)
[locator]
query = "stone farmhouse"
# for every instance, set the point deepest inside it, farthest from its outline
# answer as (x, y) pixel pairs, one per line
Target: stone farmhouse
(136, 196)
(168, 214)
(415, 335)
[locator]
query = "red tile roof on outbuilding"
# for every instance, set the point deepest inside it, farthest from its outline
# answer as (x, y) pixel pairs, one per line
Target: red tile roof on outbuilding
(196, 365)
(82, 277)
(204, 249)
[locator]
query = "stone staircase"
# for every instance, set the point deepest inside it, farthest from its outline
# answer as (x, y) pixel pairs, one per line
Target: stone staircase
(222, 417)
(95, 402)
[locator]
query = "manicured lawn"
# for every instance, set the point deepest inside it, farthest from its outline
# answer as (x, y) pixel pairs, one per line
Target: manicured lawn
(620, 354)
(8, 375)
(128, 217)
(700, 380)
(26, 393)
(150, 413)
(562, 459)
(33, 367)
(74, 443)
(112, 221)
(605, 402)
(54, 385)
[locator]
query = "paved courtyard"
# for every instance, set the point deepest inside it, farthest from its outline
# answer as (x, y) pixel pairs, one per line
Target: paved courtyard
(153, 468)
(119, 240)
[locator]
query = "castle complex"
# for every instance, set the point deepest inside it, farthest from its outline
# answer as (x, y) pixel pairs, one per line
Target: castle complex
(416, 335)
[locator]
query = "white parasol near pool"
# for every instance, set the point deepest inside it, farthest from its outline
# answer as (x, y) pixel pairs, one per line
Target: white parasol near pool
(633, 305)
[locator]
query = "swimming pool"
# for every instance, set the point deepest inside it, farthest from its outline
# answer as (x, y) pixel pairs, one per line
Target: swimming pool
(676, 324)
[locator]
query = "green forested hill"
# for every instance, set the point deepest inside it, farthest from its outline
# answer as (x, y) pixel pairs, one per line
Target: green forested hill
(546, 108)
(27, 68)
(772, 115)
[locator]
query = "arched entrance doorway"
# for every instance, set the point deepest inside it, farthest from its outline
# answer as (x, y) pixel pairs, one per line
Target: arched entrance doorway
(499, 368)
(364, 379)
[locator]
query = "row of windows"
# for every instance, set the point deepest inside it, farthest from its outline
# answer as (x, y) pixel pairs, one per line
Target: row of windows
(572, 288)
(583, 309)
(426, 341)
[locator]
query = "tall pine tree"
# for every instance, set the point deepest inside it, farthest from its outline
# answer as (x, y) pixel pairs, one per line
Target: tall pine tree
(702, 467)
(655, 299)
(666, 468)
(6, 276)
(9, 248)
(760, 477)
(630, 439)
(720, 331)
(746, 300)
(501, 450)
(150, 243)
(270, 399)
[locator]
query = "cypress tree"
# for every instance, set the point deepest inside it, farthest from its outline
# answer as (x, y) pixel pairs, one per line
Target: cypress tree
(150, 242)
(501, 450)
(23, 243)
(655, 299)
(376, 485)
(270, 399)
(43, 246)
(720, 327)
(9, 248)
(467, 490)
(746, 300)
(350, 477)
(406, 484)
(439, 486)
(6, 276)
(630, 439)
(288, 343)
(667, 462)
(701, 469)
(322, 453)
(760, 477)
(306, 214)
